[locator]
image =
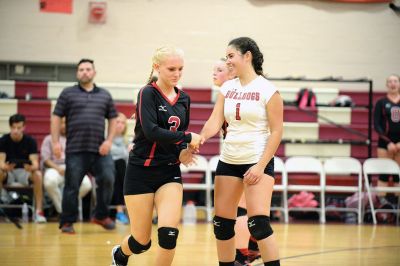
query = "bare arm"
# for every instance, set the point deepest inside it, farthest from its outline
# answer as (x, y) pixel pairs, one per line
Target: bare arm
(112, 125)
(55, 128)
(216, 119)
(275, 120)
(34, 158)
(55, 135)
(3, 164)
(105, 147)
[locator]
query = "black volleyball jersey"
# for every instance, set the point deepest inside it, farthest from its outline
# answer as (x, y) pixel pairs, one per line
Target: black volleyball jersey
(387, 120)
(160, 127)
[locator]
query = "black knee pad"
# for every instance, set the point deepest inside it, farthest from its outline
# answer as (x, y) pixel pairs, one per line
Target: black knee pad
(241, 212)
(167, 237)
(259, 227)
(224, 229)
(136, 247)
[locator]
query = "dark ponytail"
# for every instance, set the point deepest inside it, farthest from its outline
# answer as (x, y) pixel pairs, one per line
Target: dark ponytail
(244, 44)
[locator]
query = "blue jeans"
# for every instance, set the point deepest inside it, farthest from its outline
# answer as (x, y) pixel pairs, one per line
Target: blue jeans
(77, 166)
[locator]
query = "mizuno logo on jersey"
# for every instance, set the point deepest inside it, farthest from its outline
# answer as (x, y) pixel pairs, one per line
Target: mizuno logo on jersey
(162, 108)
(171, 233)
(217, 223)
(251, 223)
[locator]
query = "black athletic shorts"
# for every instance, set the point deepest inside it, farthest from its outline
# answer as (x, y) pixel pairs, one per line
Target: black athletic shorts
(148, 179)
(383, 144)
(238, 170)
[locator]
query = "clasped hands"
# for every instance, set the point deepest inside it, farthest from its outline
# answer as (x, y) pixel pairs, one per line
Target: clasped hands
(187, 156)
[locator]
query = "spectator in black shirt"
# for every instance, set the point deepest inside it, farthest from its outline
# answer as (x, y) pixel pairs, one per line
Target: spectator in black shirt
(19, 161)
(153, 176)
(387, 125)
(85, 107)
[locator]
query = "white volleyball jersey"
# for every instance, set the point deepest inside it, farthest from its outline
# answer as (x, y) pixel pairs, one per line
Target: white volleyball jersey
(246, 113)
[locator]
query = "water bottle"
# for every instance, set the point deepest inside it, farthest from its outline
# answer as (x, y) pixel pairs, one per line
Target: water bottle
(189, 213)
(25, 213)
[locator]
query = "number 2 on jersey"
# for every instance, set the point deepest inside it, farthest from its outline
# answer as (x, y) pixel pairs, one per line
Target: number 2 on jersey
(238, 111)
(175, 121)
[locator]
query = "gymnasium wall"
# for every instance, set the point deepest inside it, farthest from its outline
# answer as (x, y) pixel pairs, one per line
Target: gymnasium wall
(300, 38)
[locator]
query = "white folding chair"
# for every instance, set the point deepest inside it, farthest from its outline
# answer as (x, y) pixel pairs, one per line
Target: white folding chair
(309, 165)
(377, 166)
(201, 165)
(279, 166)
(344, 166)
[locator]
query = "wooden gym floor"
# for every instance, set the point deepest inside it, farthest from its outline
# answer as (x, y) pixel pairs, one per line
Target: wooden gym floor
(300, 244)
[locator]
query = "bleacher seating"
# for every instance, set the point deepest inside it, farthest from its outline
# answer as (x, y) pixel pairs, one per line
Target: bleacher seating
(303, 125)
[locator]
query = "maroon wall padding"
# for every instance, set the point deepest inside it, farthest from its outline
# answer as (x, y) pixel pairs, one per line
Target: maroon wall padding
(39, 139)
(38, 90)
(278, 179)
(329, 132)
(200, 111)
(342, 180)
(303, 179)
(211, 147)
(37, 113)
(126, 108)
(196, 125)
(292, 114)
(359, 116)
(361, 152)
(35, 108)
(37, 125)
(280, 152)
(193, 178)
(361, 98)
(199, 95)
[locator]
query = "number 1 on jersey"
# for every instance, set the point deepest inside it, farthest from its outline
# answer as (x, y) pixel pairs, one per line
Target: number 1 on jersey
(238, 111)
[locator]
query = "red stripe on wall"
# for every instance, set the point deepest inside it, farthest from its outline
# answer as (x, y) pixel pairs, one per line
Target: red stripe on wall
(37, 90)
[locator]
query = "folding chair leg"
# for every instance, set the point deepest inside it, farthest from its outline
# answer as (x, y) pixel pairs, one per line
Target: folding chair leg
(359, 207)
(398, 210)
(371, 204)
(322, 217)
(208, 205)
(285, 207)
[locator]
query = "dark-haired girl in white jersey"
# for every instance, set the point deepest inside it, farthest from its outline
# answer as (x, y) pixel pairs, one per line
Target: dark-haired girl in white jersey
(253, 109)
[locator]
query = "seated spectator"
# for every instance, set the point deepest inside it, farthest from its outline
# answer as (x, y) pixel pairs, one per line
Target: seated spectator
(387, 125)
(119, 153)
(19, 162)
(54, 170)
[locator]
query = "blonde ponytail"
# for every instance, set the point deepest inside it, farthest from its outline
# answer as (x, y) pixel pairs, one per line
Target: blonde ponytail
(151, 76)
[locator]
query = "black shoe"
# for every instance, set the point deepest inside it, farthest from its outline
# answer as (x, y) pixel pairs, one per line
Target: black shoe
(240, 258)
(253, 255)
(253, 251)
(115, 261)
(106, 223)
